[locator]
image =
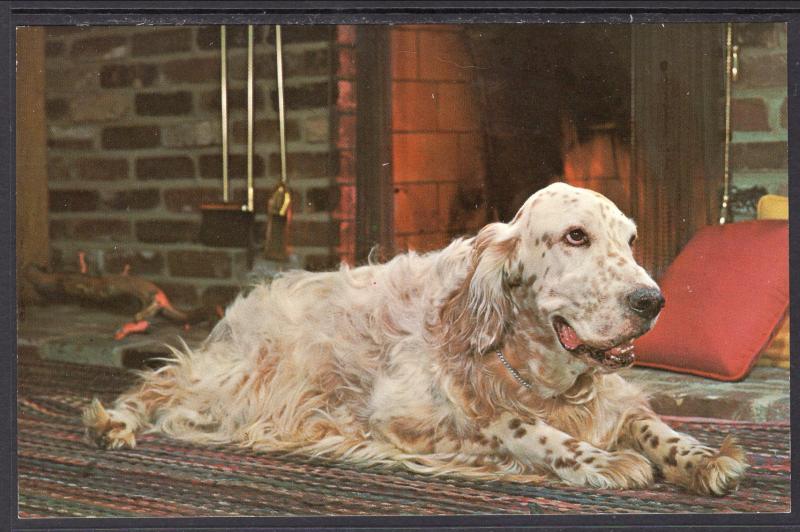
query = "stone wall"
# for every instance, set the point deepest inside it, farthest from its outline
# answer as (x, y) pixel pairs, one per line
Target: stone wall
(759, 155)
(134, 148)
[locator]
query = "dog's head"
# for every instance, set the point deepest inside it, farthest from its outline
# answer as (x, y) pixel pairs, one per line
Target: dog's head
(565, 259)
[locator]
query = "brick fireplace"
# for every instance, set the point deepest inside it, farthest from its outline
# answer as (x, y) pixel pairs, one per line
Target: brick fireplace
(476, 125)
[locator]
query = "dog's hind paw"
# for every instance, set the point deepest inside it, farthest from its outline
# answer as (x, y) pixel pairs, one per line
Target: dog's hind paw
(105, 430)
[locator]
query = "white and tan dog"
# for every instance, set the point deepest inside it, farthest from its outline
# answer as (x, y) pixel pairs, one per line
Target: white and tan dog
(492, 358)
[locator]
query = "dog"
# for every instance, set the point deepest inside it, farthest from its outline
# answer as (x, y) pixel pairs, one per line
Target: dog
(495, 357)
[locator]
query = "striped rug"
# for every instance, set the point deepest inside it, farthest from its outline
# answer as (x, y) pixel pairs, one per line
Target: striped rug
(59, 475)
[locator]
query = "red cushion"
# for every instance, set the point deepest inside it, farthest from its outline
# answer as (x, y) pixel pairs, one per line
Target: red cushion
(726, 295)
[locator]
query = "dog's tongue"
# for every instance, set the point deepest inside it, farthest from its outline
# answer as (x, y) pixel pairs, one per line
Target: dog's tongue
(568, 336)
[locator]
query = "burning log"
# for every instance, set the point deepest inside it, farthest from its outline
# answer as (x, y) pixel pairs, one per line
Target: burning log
(104, 288)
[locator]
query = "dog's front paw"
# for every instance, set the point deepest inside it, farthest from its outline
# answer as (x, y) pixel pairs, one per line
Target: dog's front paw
(105, 430)
(717, 473)
(610, 470)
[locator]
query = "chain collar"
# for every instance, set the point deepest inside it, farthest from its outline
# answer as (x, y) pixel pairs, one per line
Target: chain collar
(513, 372)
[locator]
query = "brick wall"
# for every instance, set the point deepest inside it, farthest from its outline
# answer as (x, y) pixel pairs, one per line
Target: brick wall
(134, 147)
(759, 110)
(438, 165)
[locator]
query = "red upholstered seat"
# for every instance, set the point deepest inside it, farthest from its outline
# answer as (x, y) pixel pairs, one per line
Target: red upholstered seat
(726, 295)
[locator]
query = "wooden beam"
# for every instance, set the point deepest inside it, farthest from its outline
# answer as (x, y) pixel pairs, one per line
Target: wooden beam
(31, 152)
(374, 198)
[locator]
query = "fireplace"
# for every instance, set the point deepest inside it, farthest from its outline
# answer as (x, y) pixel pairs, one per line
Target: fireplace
(476, 118)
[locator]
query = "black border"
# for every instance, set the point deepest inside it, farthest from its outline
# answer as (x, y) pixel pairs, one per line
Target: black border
(304, 12)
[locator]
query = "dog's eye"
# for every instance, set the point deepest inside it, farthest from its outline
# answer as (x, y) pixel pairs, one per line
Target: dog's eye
(577, 237)
(632, 240)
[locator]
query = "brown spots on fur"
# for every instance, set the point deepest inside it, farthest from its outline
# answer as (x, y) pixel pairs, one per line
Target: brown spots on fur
(654, 442)
(670, 458)
(673, 440)
(564, 462)
(588, 460)
(410, 432)
(572, 444)
(684, 452)
(514, 424)
(495, 442)
(520, 432)
(543, 440)
(644, 429)
(688, 466)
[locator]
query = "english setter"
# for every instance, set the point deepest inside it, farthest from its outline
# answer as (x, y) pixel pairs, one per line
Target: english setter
(494, 357)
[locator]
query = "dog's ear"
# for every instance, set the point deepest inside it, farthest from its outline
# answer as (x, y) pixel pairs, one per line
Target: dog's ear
(479, 311)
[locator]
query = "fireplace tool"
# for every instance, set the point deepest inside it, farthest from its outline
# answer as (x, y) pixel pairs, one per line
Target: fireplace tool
(279, 203)
(229, 223)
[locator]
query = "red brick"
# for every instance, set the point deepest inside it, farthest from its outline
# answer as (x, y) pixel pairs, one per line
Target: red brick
(303, 97)
(457, 108)
(99, 107)
(321, 199)
(132, 200)
(138, 76)
(347, 166)
(421, 242)
(347, 63)
(206, 263)
(471, 157)
(346, 96)
(165, 167)
(760, 155)
(70, 144)
(131, 137)
(414, 106)
(186, 200)
(140, 262)
(195, 70)
(301, 165)
(73, 200)
(264, 130)
(56, 109)
(221, 295)
(346, 34)
(316, 129)
(237, 100)
(749, 114)
(306, 63)
(425, 156)
(166, 231)
(111, 45)
(163, 103)
(160, 40)
(100, 169)
(57, 169)
(346, 135)
(304, 233)
(180, 294)
(101, 229)
(763, 70)
(405, 56)
(443, 56)
(192, 134)
(415, 208)
(211, 166)
(347, 202)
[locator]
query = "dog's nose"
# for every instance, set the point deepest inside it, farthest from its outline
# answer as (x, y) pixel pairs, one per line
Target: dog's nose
(646, 302)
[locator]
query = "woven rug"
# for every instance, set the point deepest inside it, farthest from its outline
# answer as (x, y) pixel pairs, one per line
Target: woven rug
(59, 475)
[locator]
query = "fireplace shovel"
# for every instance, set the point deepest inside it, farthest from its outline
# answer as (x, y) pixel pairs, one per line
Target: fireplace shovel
(230, 224)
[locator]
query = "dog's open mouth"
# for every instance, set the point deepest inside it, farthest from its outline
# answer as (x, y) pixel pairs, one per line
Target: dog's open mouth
(616, 357)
